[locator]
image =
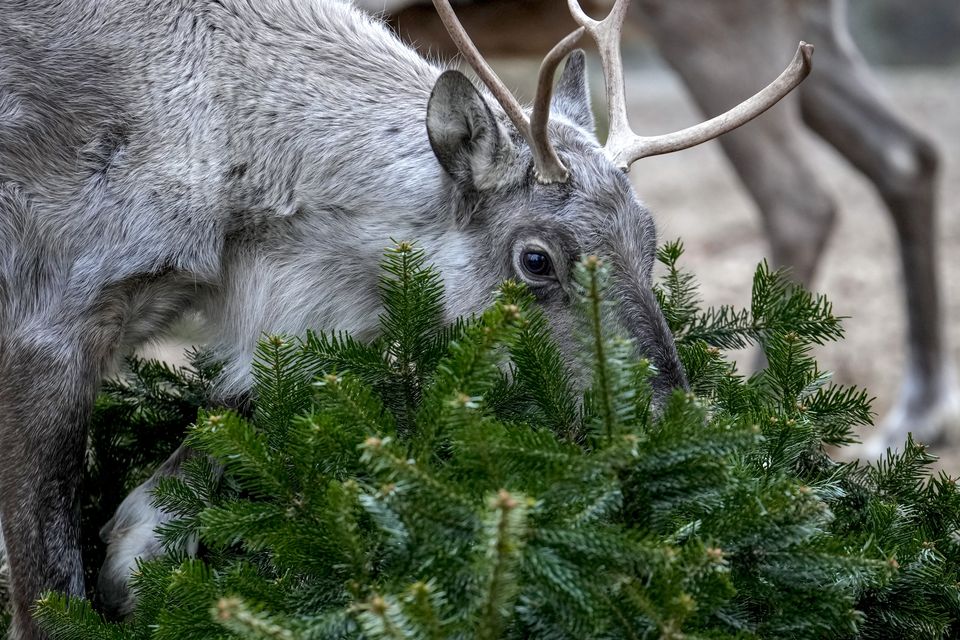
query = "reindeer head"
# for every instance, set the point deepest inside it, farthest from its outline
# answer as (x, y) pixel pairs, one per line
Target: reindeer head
(538, 193)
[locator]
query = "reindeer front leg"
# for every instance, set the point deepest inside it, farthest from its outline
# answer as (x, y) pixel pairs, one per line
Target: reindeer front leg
(47, 389)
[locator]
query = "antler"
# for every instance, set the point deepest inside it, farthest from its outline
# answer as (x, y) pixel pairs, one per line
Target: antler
(548, 166)
(624, 147)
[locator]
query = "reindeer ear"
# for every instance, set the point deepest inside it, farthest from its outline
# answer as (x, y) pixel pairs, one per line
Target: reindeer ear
(572, 95)
(465, 135)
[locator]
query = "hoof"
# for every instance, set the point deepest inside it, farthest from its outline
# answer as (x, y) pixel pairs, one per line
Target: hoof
(928, 409)
(131, 538)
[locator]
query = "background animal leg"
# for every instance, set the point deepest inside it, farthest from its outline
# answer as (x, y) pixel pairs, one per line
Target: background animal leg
(797, 213)
(702, 42)
(841, 102)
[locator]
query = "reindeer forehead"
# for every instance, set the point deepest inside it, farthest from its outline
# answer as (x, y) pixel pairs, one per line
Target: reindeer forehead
(596, 206)
(616, 215)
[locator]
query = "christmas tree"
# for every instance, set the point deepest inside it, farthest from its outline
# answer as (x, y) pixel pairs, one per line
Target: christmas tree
(450, 481)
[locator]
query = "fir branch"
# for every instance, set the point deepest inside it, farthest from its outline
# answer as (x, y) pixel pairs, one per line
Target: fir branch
(677, 292)
(504, 531)
(382, 617)
(463, 378)
(413, 313)
(326, 353)
(589, 276)
(281, 387)
(64, 618)
(902, 474)
(540, 369)
(238, 617)
(242, 451)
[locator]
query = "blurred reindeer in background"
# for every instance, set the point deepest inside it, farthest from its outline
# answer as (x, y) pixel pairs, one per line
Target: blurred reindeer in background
(840, 102)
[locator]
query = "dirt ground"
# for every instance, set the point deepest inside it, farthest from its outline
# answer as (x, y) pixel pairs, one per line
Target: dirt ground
(696, 196)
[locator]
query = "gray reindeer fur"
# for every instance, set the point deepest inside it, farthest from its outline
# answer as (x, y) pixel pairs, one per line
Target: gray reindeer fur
(249, 160)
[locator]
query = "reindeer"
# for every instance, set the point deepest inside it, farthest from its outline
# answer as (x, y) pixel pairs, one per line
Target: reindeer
(249, 161)
(841, 103)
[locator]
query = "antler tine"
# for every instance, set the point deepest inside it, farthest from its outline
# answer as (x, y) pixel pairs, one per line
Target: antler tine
(638, 147)
(606, 33)
(547, 164)
(624, 147)
(552, 169)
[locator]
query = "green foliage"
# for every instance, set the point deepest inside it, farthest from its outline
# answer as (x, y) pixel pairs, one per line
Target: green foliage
(450, 482)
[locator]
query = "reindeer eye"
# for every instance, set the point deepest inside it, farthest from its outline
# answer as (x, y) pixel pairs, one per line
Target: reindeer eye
(536, 263)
